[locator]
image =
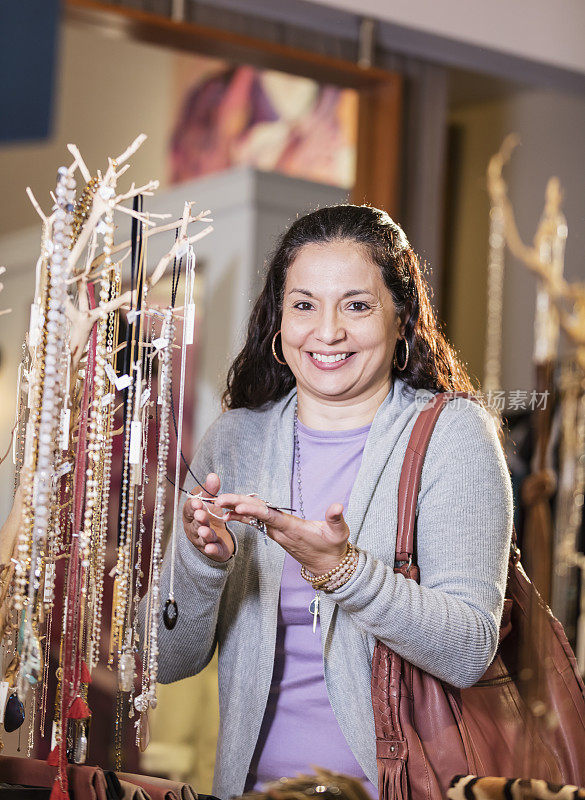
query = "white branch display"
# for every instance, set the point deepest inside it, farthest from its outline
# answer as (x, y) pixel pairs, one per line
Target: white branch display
(75, 377)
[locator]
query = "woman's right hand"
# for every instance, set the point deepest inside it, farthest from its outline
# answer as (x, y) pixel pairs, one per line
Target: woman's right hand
(209, 534)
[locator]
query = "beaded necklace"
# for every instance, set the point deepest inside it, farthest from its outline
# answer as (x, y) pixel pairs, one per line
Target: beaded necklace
(316, 601)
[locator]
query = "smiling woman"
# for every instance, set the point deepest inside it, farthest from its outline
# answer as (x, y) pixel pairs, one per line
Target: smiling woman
(318, 410)
(339, 340)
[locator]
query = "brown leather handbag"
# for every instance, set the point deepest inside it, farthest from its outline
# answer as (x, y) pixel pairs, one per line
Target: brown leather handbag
(428, 731)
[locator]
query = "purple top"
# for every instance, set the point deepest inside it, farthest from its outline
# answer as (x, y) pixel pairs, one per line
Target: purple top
(299, 727)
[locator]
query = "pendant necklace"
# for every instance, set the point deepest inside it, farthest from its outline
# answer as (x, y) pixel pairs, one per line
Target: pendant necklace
(316, 601)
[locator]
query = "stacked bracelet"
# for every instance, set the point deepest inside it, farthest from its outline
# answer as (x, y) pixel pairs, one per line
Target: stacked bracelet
(336, 577)
(335, 582)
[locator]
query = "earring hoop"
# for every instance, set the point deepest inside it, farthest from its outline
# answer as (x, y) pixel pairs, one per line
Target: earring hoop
(401, 369)
(274, 349)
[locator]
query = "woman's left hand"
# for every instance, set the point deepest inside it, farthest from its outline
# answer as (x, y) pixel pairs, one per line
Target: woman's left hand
(319, 545)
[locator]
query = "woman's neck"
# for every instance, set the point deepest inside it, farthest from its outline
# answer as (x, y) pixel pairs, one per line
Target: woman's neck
(333, 415)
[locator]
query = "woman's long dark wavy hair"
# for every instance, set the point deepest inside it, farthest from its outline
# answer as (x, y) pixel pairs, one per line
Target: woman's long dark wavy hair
(255, 377)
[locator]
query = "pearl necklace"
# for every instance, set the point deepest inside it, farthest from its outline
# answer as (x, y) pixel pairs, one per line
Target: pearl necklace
(316, 601)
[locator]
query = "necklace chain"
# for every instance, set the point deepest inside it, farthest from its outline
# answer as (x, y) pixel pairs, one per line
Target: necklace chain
(298, 464)
(316, 601)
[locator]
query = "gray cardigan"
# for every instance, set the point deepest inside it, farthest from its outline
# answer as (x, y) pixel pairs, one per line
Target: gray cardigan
(448, 625)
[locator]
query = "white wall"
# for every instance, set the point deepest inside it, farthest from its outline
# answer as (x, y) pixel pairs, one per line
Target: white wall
(548, 32)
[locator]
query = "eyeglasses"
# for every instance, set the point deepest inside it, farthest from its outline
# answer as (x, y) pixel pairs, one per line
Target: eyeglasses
(210, 499)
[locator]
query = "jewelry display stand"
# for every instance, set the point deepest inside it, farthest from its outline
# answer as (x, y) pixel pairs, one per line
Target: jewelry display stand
(553, 553)
(83, 385)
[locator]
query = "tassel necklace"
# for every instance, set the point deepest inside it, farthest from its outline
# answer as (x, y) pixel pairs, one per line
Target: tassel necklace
(316, 601)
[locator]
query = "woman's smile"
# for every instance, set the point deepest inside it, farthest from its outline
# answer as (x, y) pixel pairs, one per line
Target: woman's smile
(329, 361)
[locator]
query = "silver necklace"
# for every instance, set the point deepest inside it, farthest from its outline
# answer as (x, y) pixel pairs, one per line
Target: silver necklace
(316, 601)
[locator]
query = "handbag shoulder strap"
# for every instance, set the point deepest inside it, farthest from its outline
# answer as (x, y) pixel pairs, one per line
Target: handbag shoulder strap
(412, 468)
(387, 666)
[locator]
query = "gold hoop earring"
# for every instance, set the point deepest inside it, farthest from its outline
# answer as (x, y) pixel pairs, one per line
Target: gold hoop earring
(274, 349)
(401, 369)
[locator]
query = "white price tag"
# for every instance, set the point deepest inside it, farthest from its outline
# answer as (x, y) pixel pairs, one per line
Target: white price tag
(160, 343)
(144, 397)
(189, 324)
(119, 381)
(110, 372)
(63, 469)
(123, 382)
(65, 420)
(28, 442)
(49, 582)
(4, 687)
(135, 442)
(33, 335)
(107, 399)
